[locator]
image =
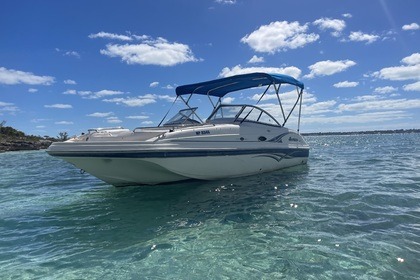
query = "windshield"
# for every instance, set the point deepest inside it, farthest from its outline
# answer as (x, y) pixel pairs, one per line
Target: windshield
(241, 113)
(184, 117)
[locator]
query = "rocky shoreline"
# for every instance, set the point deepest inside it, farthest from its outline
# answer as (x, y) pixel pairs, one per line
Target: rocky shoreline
(22, 144)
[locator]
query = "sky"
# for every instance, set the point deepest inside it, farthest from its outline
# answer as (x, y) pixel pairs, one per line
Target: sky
(67, 66)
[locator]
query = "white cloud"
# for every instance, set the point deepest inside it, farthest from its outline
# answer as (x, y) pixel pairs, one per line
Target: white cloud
(336, 25)
(154, 84)
(399, 73)
(347, 15)
(389, 35)
(69, 82)
(413, 59)
(228, 100)
(268, 97)
(279, 36)
(167, 98)
(359, 36)
(412, 26)
(64, 122)
(389, 104)
(59, 106)
(236, 70)
(412, 87)
(38, 120)
(151, 52)
(256, 59)
(387, 89)
(168, 87)
(411, 71)
(70, 91)
(105, 92)
(72, 53)
(346, 84)
(288, 98)
(328, 67)
(112, 36)
(68, 53)
(32, 90)
(320, 107)
(7, 107)
(140, 37)
(101, 115)
(133, 101)
(137, 117)
(113, 120)
(140, 101)
(87, 94)
(14, 77)
(230, 2)
(366, 98)
(148, 52)
(361, 118)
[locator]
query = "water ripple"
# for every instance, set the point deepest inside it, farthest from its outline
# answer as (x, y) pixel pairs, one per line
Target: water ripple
(352, 212)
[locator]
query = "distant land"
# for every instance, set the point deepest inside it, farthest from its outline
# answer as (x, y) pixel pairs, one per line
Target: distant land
(15, 140)
(363, 132)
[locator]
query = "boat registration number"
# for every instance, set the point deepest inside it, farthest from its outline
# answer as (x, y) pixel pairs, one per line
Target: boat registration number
(202, 132)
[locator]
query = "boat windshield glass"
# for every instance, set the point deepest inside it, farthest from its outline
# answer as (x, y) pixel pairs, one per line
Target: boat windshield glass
(241, 113)
(184, 117)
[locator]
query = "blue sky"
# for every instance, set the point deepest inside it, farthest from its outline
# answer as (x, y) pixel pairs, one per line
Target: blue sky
(73, 65)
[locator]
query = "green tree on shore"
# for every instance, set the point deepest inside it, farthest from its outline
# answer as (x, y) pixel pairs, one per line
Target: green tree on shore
(10, 131)
(63, 136)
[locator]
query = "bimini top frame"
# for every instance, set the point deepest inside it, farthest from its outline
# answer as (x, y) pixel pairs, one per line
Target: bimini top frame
(220, 87)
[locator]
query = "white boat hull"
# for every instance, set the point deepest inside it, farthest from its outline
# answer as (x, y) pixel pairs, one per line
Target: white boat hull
(222, 151)
(120, 171)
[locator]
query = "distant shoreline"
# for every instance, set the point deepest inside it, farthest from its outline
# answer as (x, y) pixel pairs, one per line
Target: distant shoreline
(12, 139)
(23, 144)
(395, 131)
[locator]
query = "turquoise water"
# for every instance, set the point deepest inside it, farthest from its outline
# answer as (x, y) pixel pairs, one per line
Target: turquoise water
(352, 213)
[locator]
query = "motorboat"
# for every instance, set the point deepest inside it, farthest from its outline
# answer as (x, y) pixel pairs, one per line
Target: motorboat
(235, 140)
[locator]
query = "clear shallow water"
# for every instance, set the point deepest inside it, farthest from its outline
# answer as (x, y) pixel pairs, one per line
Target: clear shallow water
(352, 213)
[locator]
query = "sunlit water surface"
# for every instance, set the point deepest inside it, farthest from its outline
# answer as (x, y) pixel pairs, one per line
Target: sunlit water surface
(352, 213)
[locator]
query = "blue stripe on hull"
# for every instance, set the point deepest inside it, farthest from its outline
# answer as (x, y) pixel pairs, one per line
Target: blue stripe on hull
(173, 154)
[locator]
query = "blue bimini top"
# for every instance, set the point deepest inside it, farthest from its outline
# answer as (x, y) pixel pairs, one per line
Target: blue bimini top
(221, 87)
